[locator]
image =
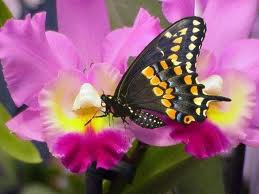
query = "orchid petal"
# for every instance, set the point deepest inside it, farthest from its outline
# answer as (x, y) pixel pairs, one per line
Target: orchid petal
(206, 64)
(175, 10)
(104, 77)
(235, 116)
(27, 125)
(86, 23)
(202, 139)
(56, 102)
(156, 137)
(224, 23)
(252, 137)
(243, 56)
(28, 61)
(78, 151)
(122, 43)
(64, 49)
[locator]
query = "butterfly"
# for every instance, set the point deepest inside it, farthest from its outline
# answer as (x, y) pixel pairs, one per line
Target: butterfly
(162, 80)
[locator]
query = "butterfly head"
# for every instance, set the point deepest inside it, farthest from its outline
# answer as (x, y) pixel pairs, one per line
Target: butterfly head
(107, 100)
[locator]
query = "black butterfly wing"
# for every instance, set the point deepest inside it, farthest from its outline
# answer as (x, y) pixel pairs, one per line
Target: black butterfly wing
(163, 77)
(171, 43)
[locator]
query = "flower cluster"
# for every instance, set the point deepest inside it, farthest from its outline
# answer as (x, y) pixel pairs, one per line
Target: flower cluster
(61, 75)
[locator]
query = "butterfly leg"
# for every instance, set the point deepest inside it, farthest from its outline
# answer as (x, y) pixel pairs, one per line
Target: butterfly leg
(94, 117)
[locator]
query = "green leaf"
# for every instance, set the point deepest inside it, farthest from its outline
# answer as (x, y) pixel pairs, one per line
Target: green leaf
(4, 13)
(165, 169)
(17, 148)
(38, 189)
(8, 176)
(124, 12)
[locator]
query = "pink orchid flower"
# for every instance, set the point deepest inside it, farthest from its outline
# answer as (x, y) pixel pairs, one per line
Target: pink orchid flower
(228, 65)
(61, 75)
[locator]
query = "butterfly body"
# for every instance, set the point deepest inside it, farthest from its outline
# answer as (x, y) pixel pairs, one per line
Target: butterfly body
(140, 117)
(163, 79)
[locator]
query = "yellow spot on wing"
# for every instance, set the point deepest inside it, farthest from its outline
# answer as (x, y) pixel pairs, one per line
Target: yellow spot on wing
(155, 80)
(198, 100)
(193, 38)
(178, 40)
(196, 22)
(188, 67)
(176, 62)
(175, 48)
(183, 31)
(166, 103)
(168, 35)
(195, 30)
(198, 111)
(171, 113)
(192, 46)
(174, 57)
(158, 91)
(148, 72)
(189, 56)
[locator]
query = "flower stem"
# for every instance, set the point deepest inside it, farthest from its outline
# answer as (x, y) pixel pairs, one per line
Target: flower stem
(93, 183)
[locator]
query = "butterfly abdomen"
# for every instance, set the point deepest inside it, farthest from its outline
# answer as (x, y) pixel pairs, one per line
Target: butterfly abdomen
(146, 120)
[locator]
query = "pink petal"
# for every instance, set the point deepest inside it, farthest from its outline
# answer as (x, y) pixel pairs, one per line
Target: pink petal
(28, 61)
(122, 43)
(202, 139)
(78, 151)
(252, 138)
(243, 56)
(175, 10)
(56, 101)
(27, 125)
(86, 24)
(234, 117)
(206, 64)
(228, 21)
(64, 49)
(156, 137)
(99, 74)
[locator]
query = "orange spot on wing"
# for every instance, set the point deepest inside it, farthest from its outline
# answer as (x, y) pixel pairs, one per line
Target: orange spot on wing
(158, 91)
(188, 79)
(164, 65)
(166, 103)
(155, 80)
(171, 113)
(148, 72)
(194, 90)
(178, 70)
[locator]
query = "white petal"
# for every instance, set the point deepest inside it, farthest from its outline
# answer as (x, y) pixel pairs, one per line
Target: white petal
(86, 98)
(213, 85)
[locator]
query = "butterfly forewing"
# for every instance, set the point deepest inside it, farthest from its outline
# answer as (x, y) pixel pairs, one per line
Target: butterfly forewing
(180, 42)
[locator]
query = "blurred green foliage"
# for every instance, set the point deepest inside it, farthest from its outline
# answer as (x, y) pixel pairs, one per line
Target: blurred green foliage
(4, 13)
(17, 148)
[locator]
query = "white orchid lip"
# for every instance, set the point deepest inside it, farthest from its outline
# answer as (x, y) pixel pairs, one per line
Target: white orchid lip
(87, 97)
(213, 85)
